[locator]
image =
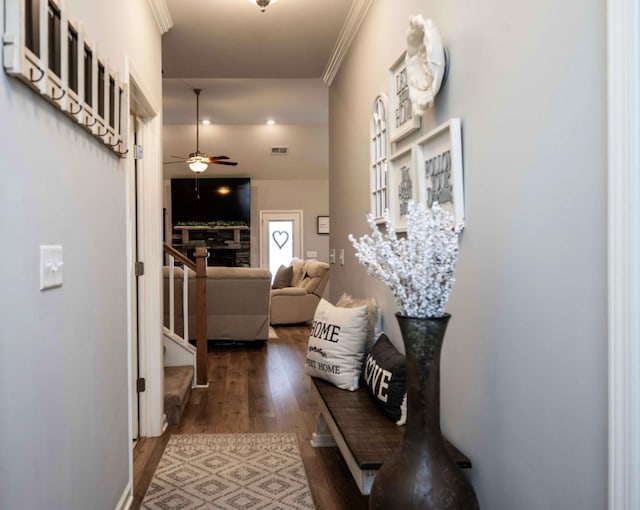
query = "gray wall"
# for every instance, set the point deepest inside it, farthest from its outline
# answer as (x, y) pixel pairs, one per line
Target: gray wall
(63, 352)
(311, 196)
(524, 361)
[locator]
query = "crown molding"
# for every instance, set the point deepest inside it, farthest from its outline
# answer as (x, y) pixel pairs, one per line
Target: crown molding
(349, 29)
(161, 14)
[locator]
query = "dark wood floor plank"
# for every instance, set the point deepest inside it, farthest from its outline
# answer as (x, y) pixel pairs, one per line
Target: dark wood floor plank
(259, 387)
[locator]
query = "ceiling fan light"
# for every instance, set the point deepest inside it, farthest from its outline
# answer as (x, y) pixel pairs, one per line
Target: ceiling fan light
(198, 166)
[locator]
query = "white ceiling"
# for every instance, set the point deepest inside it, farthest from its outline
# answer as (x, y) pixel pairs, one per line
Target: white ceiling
(253, 66)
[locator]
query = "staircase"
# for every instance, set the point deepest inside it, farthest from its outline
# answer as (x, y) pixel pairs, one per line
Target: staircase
(177, 388)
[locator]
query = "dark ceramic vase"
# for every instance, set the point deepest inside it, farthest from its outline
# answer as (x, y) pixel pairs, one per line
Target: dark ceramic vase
(420, 473)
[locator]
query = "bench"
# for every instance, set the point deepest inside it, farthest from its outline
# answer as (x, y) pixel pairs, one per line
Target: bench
(365, 437)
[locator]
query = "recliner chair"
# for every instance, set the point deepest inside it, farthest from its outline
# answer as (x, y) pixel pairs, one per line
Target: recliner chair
(297, 303)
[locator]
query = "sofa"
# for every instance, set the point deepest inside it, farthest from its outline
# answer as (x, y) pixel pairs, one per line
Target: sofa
(237, 302)
(294, 300)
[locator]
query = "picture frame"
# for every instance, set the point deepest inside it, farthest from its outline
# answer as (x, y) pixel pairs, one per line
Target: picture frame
(403, 186)
(438, 162)
(323, 224)
(402, 120)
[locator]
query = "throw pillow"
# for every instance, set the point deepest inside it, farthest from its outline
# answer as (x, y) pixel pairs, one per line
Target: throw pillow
(336, 344)
(283, 277)
(385, 375)
(347, 301)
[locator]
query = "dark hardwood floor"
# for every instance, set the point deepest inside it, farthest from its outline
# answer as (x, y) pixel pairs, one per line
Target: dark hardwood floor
(259, 387)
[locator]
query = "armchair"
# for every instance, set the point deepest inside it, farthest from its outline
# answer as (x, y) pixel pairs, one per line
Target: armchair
(297, 302)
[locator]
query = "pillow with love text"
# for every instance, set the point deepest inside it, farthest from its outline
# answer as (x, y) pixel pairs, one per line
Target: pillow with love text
(337, 344)
(385, 374)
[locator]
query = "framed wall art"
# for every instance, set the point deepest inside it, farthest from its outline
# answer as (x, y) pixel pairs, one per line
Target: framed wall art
(323, 224)
(402, 121)
(403, 186)
(438, 160)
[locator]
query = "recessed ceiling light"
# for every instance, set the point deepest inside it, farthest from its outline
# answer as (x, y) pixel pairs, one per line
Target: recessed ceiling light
(206, 122)
(271, 122)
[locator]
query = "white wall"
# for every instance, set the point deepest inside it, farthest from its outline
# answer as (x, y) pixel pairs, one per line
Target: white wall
(63, 359)
(312, 196)
(250, 146)
(524, 360)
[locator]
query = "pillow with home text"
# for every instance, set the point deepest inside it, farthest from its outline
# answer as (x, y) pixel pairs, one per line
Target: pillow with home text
(337, 344)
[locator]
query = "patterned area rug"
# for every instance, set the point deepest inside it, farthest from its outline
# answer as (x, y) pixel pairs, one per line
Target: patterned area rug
(230, 471)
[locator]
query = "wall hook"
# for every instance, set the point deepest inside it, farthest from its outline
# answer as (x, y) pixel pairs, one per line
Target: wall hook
(118, 142)
(122, 153)
(92, 124)
(31, 75)
(77, 111)
(58, 97)
(102, 134)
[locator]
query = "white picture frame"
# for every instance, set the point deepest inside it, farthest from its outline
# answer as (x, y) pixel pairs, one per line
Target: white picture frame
(403, 186)
(402, 120)
(438, 163)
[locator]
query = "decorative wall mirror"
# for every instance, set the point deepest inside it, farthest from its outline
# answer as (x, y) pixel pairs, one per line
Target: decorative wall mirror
(379, 157)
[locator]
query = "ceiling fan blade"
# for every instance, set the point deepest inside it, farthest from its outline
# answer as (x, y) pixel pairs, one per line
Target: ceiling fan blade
(179, 157)
(230, 163)
(219, 157)
(172, 162)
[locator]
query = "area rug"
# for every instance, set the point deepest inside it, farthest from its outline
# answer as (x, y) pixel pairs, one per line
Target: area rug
(230, 471)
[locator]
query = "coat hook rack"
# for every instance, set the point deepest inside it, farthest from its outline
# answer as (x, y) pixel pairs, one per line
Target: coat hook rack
(92, 124)
(77, 111)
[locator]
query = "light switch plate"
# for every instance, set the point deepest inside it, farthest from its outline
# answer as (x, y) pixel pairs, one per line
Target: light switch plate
(50, 266)
(332, 256)
(312, 254)
(341, 256)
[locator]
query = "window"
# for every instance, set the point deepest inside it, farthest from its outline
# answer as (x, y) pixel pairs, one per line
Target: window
(379, 151)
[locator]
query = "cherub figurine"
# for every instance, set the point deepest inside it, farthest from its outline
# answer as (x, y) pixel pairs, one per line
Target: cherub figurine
(425, 62)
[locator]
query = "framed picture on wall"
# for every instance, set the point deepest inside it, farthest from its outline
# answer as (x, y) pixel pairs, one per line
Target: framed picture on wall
(403, 186)
(438, 160)
(323, 224)
(402, 121)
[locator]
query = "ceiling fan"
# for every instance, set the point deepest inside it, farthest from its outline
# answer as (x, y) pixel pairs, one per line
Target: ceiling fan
(199, 161)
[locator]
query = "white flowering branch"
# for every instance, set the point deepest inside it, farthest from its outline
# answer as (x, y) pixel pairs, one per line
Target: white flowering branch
(417, 268)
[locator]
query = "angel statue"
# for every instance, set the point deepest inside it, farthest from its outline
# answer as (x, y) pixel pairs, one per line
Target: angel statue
(425, 62)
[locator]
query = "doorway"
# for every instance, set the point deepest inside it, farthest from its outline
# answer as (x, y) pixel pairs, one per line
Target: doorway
(280, 238)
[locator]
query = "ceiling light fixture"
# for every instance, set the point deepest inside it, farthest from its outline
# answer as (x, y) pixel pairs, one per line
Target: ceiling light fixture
(263, 4)
(206, 122)
(198, 161)
(271, 122)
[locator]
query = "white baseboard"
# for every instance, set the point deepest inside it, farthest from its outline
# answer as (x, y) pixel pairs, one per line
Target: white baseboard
(126, 500)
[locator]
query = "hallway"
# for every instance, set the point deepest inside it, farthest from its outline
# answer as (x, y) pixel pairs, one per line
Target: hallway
(259, 388)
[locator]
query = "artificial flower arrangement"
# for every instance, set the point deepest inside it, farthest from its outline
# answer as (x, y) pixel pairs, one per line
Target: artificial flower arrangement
(417, 268)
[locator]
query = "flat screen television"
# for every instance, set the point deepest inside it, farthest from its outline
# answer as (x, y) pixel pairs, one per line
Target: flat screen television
(214, 200)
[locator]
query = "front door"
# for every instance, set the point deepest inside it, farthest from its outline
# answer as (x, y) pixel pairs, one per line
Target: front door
(280, 238)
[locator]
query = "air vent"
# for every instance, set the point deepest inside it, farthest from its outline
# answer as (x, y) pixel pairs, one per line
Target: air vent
(279, 151)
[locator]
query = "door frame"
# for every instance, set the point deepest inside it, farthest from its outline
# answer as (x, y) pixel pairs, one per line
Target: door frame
(297, 215)
(623, 211)
(150, 361)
